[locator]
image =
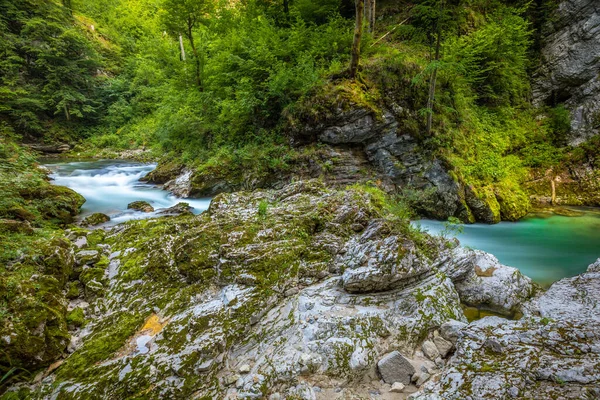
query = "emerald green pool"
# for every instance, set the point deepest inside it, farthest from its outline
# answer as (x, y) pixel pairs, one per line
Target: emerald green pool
(545, 247)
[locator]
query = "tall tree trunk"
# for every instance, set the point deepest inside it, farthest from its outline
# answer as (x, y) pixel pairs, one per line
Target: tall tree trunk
(358, 28)
(181, 48)
(432, 83)
(197, 60)
(553, 186)
(370, 9)
(286, 6)
(67, 114)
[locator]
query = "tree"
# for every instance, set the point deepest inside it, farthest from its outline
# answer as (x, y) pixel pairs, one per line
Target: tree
(436, 17)
(358, 28)
(370, 7)
(183, 17)
(433, 80)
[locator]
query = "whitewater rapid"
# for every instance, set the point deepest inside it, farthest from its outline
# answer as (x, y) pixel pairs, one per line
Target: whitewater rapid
(109, 186)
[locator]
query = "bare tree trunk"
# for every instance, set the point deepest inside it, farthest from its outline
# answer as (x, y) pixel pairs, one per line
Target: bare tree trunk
(286, 6)
(432, 84)
(181, 48)
(358, 28)
(370, 9)
(196, 56)
(553, 185)
(67, 114)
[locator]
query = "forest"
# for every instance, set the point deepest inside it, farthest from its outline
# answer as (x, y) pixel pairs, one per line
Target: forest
(445, 109)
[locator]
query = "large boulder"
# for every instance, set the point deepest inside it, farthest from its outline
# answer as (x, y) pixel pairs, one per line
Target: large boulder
(483, 282)
(378, 261)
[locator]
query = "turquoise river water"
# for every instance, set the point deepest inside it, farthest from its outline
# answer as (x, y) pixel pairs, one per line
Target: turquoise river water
(545, 247)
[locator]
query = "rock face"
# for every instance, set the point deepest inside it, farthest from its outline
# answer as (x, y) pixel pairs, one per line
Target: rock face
(551, 353)
(570, 64)
(248, 301)
(396, 156)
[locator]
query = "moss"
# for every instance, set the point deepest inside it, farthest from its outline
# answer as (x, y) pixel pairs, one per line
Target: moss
(58, 259)
(32, 314)
(76, 318)
(73, 290)
(107, 339)
(514, 202)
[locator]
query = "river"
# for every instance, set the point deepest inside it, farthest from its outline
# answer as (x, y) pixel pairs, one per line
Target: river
(109, 186)
(545, 247)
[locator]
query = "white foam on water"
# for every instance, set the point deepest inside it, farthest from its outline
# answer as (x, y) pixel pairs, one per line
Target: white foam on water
(109, 186)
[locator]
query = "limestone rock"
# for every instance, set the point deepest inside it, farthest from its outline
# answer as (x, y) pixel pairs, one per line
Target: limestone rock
(430, 350)
(451, 330)
(393, 368)
(443, 346)
(553, 355)
(577, 297)
(181, 185)
(594, 267)
(374, 262)
(236, 292)
(568, 72)
(493, 285)
(397, 387)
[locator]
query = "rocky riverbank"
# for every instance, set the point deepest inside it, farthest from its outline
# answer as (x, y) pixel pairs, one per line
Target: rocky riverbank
(305, 292)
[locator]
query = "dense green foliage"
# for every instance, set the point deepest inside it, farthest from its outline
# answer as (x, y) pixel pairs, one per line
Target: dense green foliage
(49, 80)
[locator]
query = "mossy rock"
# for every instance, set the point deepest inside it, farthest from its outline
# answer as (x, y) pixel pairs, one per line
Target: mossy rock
(33, 328)
(14, 226)
(95, 219)
(54, 202)
(142, 206)
(514, 203)
(73, 290)
(76, 318)
(20, 213)
(88, 257)
(59, 259)
(164, 172)
(483, 204)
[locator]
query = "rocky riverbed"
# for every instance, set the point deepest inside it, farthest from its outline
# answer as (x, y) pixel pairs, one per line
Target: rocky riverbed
(310, 293)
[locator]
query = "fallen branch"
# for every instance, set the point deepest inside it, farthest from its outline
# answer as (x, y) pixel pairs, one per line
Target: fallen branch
(384, 36)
